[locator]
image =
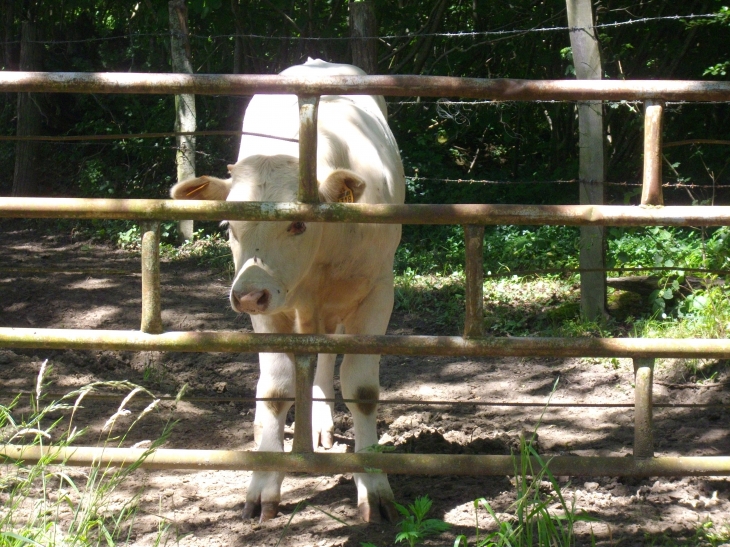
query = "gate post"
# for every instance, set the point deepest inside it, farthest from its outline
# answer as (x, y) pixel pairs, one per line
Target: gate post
(304, 379)
(651, 191)
(308, 190)
(308, 193)
(643, 417)
(587, 63)
(151, 308)
(474, 247)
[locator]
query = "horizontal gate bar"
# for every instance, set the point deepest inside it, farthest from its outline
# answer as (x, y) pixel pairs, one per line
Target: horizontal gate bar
(241, 342)
(396, 85)
(477, 214)
(411, 464)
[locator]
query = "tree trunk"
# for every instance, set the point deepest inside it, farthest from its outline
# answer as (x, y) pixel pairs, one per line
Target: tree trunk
(587, 62)
(363, 29)
(25, 182)
(184, 104)
(8, 46)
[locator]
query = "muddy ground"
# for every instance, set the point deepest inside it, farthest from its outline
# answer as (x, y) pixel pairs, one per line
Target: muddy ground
(38, 288)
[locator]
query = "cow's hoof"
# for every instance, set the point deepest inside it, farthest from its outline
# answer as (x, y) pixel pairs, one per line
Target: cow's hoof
(376, 512)
(267, 510)
(251, 510)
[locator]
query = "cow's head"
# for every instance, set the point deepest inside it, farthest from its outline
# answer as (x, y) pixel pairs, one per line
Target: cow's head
(271, 258)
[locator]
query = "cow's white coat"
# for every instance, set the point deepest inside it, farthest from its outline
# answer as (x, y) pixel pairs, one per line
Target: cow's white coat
(318, 277)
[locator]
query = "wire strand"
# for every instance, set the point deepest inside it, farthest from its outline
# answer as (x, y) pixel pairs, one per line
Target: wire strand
(461, 34)
(395, 401)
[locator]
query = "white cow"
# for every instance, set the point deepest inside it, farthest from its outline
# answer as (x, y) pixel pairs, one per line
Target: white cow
(296, 277)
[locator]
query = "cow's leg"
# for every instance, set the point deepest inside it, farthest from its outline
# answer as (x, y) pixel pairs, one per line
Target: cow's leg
(276, 381)
(323, 427)
(359, 375)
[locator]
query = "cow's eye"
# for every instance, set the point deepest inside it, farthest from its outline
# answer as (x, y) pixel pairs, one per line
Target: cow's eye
(296, 228)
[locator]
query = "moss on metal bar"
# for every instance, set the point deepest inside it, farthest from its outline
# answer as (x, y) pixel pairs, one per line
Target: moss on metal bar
(234, 341)
(411, 464)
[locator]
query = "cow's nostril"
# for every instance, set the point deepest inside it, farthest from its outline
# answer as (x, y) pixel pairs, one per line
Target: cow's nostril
(263, 300)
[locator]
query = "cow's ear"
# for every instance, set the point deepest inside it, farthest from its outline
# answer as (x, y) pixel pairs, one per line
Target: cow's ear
(342, 186)
(202, 188)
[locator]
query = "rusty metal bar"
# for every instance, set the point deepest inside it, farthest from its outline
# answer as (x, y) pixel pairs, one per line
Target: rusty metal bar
(643, 422)
(401, 85)
(151, 307)
(651, 192)
(413, 402)
(308, 188)
(413, 464)
(474, 247)
(478, 214)
(235, 341)
(304, 364)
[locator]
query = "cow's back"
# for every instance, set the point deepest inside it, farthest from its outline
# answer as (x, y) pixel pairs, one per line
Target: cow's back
(353, 133)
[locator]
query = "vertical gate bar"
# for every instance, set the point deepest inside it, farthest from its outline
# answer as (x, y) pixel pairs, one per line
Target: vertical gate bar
(303, 403)
(474, 246)
(651, 192)
(151, 308)
(643, 420)
(308, 193)
(308, 190)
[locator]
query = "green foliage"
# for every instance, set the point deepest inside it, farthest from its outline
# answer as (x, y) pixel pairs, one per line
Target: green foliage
(508, 248)
(669, 247)
(702, 314)
(415, 527)
(720, 69)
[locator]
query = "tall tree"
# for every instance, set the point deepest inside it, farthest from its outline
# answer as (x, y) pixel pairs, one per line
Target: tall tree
(29, 120)
(185, 118)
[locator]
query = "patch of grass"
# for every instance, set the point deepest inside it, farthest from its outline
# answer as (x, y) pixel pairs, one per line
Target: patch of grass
(210, 250)
(42, 503)
(706, 535)
(516, 306)
(438, 299)
(540, 516)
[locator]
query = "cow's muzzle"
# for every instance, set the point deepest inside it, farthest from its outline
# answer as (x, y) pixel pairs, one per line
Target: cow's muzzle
(252, 302)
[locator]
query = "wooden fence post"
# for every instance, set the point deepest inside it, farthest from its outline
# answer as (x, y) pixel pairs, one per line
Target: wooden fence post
(184, 104)
(363, 27)
(587, 62)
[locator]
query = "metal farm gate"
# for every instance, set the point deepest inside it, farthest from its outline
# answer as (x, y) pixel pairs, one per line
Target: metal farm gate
(472, 217)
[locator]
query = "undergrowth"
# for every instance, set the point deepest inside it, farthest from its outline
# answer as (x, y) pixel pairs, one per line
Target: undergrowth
(43, 503)
(429, 277)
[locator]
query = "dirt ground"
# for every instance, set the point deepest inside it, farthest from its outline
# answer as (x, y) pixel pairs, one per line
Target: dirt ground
(204, 508)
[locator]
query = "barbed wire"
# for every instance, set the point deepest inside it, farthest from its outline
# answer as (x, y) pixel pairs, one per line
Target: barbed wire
(618, 269)
(460, 34)
(673, 185)
(490, 102)
(126, 136)
(106, 272)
